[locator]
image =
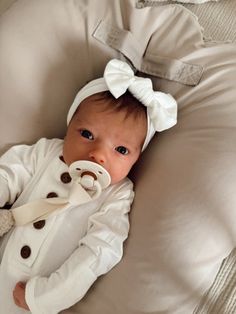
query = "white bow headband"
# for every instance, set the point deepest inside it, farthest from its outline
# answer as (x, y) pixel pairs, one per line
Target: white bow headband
(118, 78)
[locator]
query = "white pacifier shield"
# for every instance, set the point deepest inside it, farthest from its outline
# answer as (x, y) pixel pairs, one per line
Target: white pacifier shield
(78, 168)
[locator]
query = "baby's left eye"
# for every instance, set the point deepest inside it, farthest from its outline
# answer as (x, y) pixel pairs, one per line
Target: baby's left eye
(122, 150)
(87, 134)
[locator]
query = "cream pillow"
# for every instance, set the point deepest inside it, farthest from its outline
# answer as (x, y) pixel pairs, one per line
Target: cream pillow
(183, 217)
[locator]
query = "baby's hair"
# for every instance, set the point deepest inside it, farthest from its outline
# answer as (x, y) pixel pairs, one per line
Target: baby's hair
(126, 103)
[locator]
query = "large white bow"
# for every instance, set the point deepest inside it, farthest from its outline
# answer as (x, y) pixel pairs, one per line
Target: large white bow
(161, 107)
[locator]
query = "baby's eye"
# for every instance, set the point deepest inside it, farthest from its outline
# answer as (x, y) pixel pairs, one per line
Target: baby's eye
(87, 134)
(122, 150)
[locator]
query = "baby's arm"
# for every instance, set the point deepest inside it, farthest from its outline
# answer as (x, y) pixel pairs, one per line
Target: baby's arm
(99, 251)
(16, 168)
(14, 174)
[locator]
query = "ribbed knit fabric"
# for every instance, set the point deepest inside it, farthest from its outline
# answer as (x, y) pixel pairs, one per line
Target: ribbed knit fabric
(221, 297)
(218, 19)
(6, 221)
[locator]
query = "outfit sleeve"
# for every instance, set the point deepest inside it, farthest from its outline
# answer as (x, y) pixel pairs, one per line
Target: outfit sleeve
(99, 250)
(17, 166)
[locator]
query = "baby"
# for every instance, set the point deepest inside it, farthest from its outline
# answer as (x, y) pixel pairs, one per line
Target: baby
(49, 262)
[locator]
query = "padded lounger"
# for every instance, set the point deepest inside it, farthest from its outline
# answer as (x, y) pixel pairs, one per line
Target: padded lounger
(183, 218)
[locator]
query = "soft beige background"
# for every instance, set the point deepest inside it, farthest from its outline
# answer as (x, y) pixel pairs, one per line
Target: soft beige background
(4, 4)
(183, 217)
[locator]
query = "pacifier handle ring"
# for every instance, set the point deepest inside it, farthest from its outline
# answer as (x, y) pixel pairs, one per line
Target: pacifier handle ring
(98, 187)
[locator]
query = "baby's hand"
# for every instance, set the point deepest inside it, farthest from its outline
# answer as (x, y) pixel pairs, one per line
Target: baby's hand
(19, 295)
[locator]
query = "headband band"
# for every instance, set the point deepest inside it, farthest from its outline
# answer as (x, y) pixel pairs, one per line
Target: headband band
(118, 78)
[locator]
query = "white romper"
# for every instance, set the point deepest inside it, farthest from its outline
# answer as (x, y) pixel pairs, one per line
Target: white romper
(62, 256)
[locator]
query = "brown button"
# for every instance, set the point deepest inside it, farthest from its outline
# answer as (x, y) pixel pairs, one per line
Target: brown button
(65, 177)
(25, 251)
(52, 194)
(39, 224)
(62, 158)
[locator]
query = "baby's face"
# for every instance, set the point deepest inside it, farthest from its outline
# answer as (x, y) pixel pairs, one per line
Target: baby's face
(105, 137)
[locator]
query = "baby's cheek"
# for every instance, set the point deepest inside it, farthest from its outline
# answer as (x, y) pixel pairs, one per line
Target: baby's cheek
(121, 173)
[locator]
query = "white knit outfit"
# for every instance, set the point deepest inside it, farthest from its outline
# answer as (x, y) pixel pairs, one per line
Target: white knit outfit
(62, 256)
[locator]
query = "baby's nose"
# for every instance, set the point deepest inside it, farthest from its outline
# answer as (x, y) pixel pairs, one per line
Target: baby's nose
(98, 156)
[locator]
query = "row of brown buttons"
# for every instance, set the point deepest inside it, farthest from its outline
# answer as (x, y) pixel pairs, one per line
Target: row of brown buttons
(65, 178)
(26, 250)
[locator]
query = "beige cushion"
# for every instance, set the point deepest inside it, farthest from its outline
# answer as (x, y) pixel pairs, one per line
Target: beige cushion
(183, 218)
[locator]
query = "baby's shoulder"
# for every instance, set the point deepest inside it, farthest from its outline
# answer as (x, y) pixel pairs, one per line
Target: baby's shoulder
(45, 145)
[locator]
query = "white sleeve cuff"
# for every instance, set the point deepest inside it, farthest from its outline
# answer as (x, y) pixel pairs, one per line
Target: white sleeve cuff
(58, 292)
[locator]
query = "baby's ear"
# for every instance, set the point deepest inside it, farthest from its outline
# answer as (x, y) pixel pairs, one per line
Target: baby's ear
(6, 221)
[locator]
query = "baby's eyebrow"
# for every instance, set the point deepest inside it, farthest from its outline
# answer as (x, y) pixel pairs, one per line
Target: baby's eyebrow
(81, 121)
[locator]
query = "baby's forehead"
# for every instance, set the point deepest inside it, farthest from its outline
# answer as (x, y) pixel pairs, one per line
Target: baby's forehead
(93, 114)
(105, 101)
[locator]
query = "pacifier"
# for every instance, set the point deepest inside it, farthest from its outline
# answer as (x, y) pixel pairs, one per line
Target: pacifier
(89, 179)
